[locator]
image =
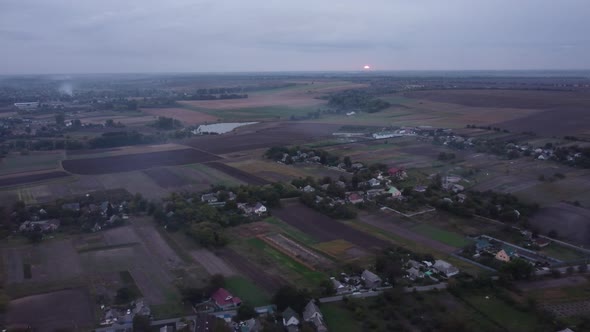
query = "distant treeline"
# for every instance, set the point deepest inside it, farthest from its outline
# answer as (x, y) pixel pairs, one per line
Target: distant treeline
(356, 100)
(214, 97)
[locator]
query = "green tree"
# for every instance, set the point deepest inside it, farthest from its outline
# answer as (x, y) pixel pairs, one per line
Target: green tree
(60, 119)
(141, 324)
(245, 312)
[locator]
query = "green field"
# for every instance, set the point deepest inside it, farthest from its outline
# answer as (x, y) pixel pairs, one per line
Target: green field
(452, 239)
(247, 291)
(292, 232)
(338, 318)
(34, 161)
(301, 273)
(216, 177)
(504, 314)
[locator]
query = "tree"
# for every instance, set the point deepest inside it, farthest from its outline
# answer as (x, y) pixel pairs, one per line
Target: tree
(60, 119)
(517, 269)
(245, 312)
(552, 234)
(347, 162)
(289, 296)
(141, 323)
(582, 268)
(125, 295)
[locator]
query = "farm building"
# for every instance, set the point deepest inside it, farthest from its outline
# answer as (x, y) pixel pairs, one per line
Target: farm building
(259, 209)
(394, 192)
(355, 198)
(385, 134)
(371, 279)
(445, 268)
(398, 173)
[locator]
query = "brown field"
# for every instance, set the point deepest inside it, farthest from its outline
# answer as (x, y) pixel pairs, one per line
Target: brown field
(571, 223)
(212, 263)
(187, 117)
(114, 164)
(238, 174)
(7, 181)
(124, 119)
(269, 170)
(70, 310)
(536, 110)
(324, 228)
(340, 249)
(527, 99)
(303, 95)
(123, 151)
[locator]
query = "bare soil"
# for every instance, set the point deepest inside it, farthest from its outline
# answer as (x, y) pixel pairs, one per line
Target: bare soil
(570, 222)
(70, 309)
(238, 174)
(37, 177)
(132, 162)
(212, 263)
(323, 228)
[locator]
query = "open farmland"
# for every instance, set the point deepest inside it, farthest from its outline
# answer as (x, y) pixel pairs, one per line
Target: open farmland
(300, 253)
(324, 228)
(571, 107)
(261, 278)
(165, 177)
(14, 180)
(387, 222)
(266, 136)
(126, 163)
(70, 309)
(187, 117)
(570, 222)
(14, 163)
(238, 174)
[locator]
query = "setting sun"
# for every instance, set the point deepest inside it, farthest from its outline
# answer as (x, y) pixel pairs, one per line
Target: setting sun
(367, 67)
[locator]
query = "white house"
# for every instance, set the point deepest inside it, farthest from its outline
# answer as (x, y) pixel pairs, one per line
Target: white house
(259, 208)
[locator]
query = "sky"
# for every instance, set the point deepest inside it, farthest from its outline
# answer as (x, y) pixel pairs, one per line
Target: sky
(133, 36)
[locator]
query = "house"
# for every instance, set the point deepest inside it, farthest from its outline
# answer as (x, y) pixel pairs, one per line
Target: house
(259, 208)
(308, 189)
(445, 268)
(325, 186)
(414, 273)
(312, 314)
(505, 255)
(372, 193)
(167, 328)
(461, 198)
(542, 242)
(71, 206)
(357, 165)
(414, 264)
(394, 192)
(370, 279)
(420, 189)
(43, 225)
(355, 198)
(482, 244)
(251, 325)
(290, 319)
(374, 182)
(338, 286)
(398, 173)
(209, 198)
(224, 300)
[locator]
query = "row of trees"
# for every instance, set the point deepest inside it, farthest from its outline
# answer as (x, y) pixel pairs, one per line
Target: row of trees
(356, 100)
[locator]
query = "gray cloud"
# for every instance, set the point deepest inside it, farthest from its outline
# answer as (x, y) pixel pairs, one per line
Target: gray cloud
(64, 36)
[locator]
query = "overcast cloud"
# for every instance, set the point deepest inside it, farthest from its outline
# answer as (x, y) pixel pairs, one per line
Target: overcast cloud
(110, 36)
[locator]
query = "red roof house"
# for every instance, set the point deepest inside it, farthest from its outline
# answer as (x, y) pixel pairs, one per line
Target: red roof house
(397, 172)
(224, 300)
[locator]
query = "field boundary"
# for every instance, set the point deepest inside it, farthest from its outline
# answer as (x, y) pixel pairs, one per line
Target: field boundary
(409, 215)
(107, 247)
(285, 252)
